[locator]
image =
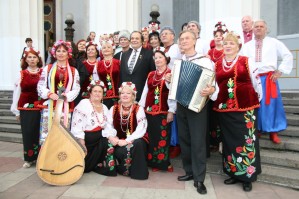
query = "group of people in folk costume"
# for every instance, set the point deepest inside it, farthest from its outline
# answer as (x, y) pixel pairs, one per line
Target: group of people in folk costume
(116, 100)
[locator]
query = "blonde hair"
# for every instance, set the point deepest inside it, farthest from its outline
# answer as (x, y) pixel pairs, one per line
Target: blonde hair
(232, 36)
(130, 86)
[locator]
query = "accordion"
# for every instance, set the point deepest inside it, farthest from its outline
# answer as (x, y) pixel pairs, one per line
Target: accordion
(187, 80)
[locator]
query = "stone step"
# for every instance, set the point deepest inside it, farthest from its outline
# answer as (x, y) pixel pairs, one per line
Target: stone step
(290, 93)
(291, 109)
(293, 119)
(11, 137)
(10, 128)
(291, 131)
(6, 93)
(291, 101)
(287, 143)
(280, 158)
(278, 175)
(5, 106)
(5, 112)
(8, 120)
(5, 100)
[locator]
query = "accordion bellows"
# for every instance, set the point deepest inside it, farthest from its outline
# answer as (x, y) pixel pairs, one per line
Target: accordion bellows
(187, 80)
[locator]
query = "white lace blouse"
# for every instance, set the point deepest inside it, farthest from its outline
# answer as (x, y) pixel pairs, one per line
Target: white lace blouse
(85, 118)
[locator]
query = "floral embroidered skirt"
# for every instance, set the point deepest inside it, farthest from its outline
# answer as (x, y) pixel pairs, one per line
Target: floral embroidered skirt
(30, 132)
(99, 158)
(159, 140)
(131, 160)
(241, 154)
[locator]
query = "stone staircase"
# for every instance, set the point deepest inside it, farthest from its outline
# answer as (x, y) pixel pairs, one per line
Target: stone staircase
(10, 129)
(280, 163)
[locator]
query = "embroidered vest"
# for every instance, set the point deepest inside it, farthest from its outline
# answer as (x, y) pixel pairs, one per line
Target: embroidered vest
(86, 83)
(236, 92)
(29, 94)
(156, 99)
(110, 76)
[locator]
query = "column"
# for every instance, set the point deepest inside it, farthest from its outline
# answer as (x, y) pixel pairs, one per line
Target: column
(19, 19)
(107, 17)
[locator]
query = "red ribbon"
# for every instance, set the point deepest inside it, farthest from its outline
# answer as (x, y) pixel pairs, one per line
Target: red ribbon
(271, 89)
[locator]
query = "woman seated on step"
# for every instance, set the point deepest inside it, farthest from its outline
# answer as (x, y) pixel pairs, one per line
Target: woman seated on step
(130, 139)
(91, 124)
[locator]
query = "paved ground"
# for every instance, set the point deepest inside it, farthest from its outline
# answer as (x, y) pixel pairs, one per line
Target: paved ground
(17, 182)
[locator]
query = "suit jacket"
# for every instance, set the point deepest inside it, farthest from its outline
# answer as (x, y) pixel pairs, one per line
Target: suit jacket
(144, 64)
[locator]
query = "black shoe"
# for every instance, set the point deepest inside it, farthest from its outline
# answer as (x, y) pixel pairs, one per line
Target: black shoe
(185, 178)
(247, 186)
(201, 188)
(230, 181)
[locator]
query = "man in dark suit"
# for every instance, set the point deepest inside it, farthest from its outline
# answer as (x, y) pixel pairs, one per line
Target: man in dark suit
(136, 63)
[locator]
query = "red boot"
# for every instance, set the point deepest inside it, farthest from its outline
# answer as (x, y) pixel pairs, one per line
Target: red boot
(274, 137)
(170, 168)
(174, 151)
(155, 169)
(259, 134)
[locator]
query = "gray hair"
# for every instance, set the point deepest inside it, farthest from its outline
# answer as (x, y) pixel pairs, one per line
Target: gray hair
(263, 21)
(185, 31)
(196, 23)
(124, 34)
(168, 28)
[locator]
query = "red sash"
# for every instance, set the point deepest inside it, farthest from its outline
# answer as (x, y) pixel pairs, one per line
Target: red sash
(271, 88)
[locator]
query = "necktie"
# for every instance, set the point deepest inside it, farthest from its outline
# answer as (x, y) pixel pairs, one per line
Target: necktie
(131, 65)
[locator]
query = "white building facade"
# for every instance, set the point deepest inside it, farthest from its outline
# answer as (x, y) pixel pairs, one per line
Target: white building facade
(25, 18)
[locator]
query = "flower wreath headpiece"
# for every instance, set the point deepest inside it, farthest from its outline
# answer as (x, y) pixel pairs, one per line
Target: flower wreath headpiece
(237, 36)
(91, 43)
(145, 29)
(59, 43)
(103, 37)
(154, 27)
(28, 50)
(163, 50)
(98, 83)
(220, 27)
(128, 84)
(109, 42)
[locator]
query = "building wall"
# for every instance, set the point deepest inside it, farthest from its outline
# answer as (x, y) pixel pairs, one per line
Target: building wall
(188, 11)
(165, 10)
(229, 11)
(273, 14)
(79, 10)
(19, 19)
(110, 16)
(24, 18)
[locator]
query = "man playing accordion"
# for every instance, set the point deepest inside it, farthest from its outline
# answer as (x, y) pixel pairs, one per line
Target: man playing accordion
(192, 125)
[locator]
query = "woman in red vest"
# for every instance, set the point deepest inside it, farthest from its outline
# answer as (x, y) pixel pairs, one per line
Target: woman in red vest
(159, 113)
(24, 104)
(237, 102)
(130, 141)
